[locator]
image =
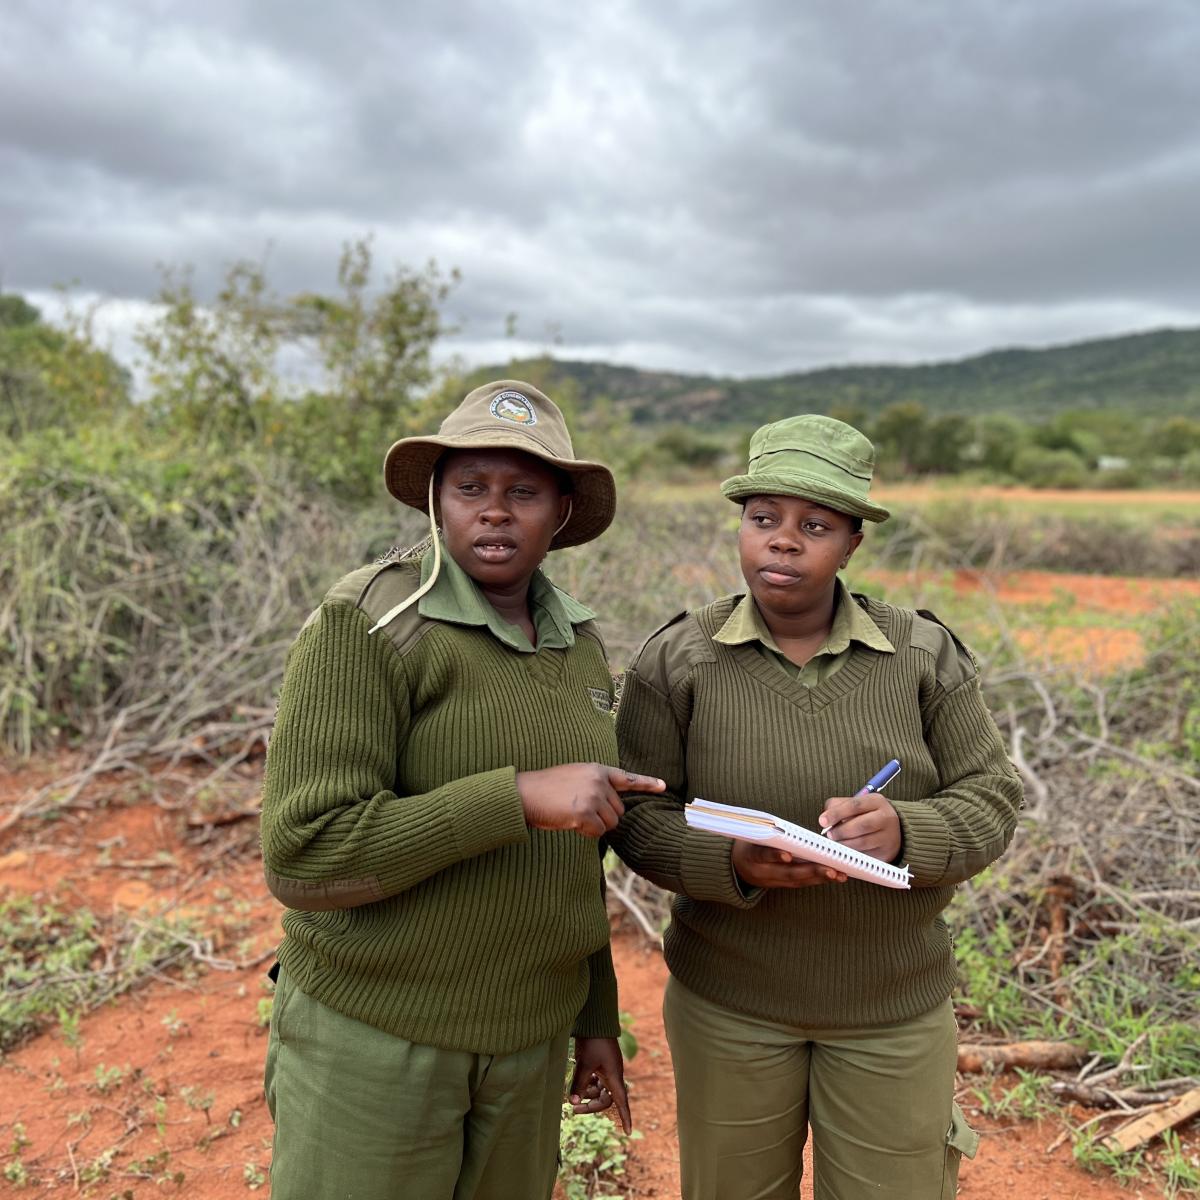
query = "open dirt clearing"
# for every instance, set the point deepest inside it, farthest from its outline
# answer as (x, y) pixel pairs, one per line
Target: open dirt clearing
(1084, 622)
(1049, 499)
(159, 1093)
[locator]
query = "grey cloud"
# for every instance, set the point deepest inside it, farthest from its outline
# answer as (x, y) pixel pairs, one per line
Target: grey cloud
(725, 184)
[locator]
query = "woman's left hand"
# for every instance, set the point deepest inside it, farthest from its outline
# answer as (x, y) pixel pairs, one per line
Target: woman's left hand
(599, 1079)
(868, 823)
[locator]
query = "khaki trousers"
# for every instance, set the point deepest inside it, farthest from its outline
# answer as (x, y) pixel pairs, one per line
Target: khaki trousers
(879, 1101)
(362, 1115)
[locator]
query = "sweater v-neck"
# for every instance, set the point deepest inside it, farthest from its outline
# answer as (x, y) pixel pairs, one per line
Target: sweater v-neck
(860, 662)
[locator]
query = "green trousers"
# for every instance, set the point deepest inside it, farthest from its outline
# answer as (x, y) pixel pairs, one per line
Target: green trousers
(879, 1102)
(362, 1115)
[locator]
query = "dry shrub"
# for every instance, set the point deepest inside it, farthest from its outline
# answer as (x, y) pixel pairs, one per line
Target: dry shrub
(156, 593)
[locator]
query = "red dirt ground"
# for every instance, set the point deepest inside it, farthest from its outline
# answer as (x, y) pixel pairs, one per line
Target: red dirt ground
(1097, 648)
(189, 1040)
(1048, 498)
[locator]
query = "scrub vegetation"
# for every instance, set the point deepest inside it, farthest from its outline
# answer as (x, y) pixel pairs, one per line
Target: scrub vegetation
(158, 555)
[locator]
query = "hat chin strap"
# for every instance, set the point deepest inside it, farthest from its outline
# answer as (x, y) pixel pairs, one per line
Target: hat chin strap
(570, 509)
(409, 601)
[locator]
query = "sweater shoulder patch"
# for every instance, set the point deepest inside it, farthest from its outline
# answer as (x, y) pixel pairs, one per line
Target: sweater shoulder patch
(671, 651)
(348, 589)
(954, 663)
(376, 589)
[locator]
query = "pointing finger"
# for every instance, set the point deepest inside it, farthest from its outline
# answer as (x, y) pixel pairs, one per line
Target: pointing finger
(627, 781)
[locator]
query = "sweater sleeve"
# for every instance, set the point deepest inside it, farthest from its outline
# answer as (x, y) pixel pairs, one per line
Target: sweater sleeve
(600, 1015)
(652, 837)
(334, 833)
(970, 820)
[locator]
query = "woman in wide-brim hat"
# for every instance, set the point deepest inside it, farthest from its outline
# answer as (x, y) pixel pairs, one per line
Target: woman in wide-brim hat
(441, 769)
(800, 999)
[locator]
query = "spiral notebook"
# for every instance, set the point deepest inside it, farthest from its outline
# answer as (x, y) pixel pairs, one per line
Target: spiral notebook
(750, 825)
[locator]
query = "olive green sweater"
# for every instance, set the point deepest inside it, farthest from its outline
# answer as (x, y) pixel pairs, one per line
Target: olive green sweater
(419, 900)
(723, 723)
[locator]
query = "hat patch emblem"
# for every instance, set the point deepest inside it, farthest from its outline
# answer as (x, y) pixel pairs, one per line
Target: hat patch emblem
(512, 406)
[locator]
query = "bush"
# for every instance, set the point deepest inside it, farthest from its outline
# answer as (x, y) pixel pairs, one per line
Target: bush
(1039, 467)
(156, 582)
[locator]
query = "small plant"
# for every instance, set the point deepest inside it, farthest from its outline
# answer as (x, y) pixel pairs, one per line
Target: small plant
(629, 1043)
(99, 1168)
(150, 1167)
(1093, 1154)
(1181, 1171)
(592, 1153)
(16, 1174)
(198, 1100)
(1026, 1100)
(175, 1025)
(263, 1011)
(108, 1078)
(19, 1141)
(253, 1176)
(68, 1027)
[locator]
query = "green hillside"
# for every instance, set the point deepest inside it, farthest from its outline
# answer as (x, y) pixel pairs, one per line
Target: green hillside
(1156, 372)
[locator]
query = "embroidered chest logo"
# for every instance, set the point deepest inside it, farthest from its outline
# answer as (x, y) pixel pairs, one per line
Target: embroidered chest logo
(601, 699)
(512, 406)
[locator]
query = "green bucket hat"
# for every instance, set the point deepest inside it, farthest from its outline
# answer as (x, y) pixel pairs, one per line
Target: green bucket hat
(508, 415)
(813, 456)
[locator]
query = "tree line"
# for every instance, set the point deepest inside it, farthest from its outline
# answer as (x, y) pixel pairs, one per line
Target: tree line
(322, 382)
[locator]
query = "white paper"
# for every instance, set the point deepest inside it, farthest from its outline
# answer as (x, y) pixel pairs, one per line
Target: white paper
(751, 825)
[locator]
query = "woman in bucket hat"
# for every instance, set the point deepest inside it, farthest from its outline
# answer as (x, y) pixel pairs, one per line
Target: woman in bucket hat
(437, 784)
(798, 998)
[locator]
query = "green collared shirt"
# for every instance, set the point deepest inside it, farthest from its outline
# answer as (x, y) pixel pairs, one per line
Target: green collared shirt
(456, 598)
(850, 624)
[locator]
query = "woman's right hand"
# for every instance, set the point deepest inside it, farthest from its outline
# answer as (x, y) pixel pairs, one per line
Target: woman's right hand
(579, 796)
(764, 866)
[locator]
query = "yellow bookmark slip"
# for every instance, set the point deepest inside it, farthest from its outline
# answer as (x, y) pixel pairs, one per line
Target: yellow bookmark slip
(750, 825)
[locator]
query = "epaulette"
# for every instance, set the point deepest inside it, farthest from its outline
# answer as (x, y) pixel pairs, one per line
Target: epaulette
(375, 590)
(671, 651)
(954, 661)
(679, 616)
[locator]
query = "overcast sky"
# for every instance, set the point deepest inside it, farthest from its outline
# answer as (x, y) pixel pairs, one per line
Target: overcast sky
(740, 188)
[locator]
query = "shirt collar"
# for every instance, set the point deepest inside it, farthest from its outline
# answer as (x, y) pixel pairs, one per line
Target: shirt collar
(850, 624)
(456, 598)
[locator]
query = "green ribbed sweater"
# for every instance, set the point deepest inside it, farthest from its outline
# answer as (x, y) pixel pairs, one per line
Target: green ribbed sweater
(391, 814)
(723, 723)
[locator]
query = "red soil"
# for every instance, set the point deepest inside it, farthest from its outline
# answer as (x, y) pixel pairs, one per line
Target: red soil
(1047, 498)
(192, 1040)
(1092, 643)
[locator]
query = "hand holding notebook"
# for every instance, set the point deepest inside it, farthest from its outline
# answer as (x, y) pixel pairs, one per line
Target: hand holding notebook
(762, 828)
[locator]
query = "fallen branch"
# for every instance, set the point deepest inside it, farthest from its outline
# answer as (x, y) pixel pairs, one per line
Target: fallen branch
(619, 889)
(1140, 1131)
(1104, 1097)
(1043, 1056)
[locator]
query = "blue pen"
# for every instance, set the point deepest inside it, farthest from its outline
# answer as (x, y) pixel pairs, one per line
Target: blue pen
(876, 783)
(881, 778)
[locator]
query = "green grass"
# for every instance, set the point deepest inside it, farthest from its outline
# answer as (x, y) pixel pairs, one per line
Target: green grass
(58, 963)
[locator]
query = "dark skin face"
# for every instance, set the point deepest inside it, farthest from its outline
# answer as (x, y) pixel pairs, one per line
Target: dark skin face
(499, 511)
(791, 550)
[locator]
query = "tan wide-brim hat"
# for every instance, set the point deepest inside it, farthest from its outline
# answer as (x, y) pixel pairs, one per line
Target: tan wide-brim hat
(508, 415)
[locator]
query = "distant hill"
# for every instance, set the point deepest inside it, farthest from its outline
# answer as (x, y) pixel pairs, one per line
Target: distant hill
(1155, 372)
